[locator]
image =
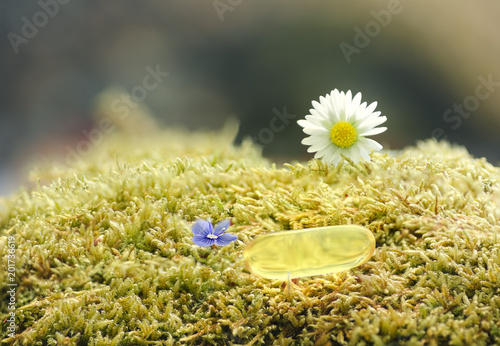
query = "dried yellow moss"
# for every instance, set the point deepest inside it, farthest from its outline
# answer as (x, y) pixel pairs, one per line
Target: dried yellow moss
(105, 257)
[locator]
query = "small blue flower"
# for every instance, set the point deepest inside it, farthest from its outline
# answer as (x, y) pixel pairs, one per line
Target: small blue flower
(206, 235)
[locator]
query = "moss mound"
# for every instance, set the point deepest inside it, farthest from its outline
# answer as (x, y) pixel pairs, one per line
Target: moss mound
(105, 253)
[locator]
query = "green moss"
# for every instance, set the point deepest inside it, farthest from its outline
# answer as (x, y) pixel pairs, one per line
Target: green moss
(104, 250)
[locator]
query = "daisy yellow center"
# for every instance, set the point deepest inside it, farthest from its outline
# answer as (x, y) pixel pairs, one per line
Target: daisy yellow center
(343, 134)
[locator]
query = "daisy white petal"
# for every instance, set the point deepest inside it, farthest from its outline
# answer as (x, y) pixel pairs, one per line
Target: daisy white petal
(315, 130)
(318, 145)
(323, 152)
(347, 103)
(318, 116)
(371, 107)
(319, 109)
(334, 99)
(312, 140)
(373, 131)
(338, 125)
(364, 153)
(371, 121)
(303, 122)
(365, 145)
(375, 145)
(318, 121)
(353, 107)
(332, 154)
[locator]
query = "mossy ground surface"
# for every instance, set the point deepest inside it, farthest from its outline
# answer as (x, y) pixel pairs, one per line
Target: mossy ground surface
(105, 253)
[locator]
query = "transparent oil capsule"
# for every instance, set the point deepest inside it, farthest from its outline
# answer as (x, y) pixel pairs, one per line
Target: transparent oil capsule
(309, 252)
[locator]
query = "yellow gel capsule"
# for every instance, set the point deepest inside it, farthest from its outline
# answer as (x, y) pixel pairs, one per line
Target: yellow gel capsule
(310, 251)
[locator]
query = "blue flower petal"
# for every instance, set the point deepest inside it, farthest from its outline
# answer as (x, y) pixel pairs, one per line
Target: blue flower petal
(202, 227)
(225, 239)
(203, 241)
(222, 226)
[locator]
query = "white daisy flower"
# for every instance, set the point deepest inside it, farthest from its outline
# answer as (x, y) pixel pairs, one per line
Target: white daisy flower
(338, 125)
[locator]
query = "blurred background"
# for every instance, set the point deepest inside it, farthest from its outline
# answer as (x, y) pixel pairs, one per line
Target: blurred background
(433, 67)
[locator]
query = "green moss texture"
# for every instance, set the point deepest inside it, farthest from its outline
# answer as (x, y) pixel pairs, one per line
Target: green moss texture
(105, 253)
